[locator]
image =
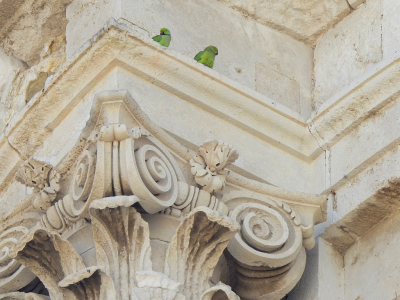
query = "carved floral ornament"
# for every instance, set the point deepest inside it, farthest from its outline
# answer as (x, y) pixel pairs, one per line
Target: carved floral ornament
(129, 183)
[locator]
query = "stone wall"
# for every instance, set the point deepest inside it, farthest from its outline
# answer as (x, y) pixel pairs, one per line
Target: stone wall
(311, 110)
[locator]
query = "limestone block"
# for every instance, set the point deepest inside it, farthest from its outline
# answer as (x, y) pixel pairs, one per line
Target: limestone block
(34, 23)
(9, 65)
(259, 44)
(347, 51)
(153, 101)
(278, 87)
(330, 273)
(303, 20)
(367, 142)
(370, 258)
(377, 176)
(390, 27)
(364, 201)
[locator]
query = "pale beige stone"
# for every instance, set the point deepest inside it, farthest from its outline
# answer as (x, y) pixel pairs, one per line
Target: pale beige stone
(303, 20)
(33, 23)
(347, 152)
(371, 257)
(390, 25)
(356, 3)
(224, 29)
(208, 166)
(277, 86)
(347, 51)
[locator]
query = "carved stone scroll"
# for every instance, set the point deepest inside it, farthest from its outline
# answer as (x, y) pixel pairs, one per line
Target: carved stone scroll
(252, 241)
(13, 275)
(267, 237)
(127, 162)
(147, 171)
(268, 251)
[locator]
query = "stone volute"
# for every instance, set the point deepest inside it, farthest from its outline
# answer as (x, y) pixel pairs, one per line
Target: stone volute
(142, 217)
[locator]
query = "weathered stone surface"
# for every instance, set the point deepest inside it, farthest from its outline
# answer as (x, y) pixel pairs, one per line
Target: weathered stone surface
(348, 151)
(33, 23)
(225, 27)
(278, 87)
(356, 3)
(390, 27)
(370, 258)
(304, 20)
(347, 51)
(9, 65)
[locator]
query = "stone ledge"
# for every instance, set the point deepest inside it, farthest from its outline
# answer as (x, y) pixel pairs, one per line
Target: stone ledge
(182, 76)
(352, 105)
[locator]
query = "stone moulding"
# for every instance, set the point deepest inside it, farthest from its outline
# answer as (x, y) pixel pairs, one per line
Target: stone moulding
(129, 168)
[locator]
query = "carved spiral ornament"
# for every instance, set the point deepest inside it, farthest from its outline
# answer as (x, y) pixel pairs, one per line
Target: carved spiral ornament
(268, 237)
(147, 172)
(83, 176)
(265, 231)
(12, 271)
(155, 170)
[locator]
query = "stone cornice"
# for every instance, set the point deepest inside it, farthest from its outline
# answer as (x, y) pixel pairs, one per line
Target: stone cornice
(117, 45)
(349, 107)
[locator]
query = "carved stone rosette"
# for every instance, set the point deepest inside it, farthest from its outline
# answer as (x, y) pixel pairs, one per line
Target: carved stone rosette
(208, 166)
(43, 178)
(128, 170)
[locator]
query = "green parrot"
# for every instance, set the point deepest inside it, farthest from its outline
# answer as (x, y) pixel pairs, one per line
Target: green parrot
(164, 38)
(207, 56)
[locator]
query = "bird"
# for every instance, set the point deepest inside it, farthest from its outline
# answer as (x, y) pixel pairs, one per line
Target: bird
(207, 56)
(164, 38)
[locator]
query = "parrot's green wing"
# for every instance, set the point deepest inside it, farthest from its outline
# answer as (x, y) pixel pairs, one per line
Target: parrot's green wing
(206, 58)
(199, 55)
(163, 40)
(157, 38)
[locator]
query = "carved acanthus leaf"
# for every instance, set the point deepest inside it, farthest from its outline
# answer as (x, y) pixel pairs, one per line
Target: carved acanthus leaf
(90, 283)
(22, 296)
(49, 257)
(122, 241)
(195, 249)
(153, 285)
(13, 275)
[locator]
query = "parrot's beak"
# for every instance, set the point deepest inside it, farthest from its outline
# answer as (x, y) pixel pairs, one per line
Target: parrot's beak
(162, 32)
(217, 53)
